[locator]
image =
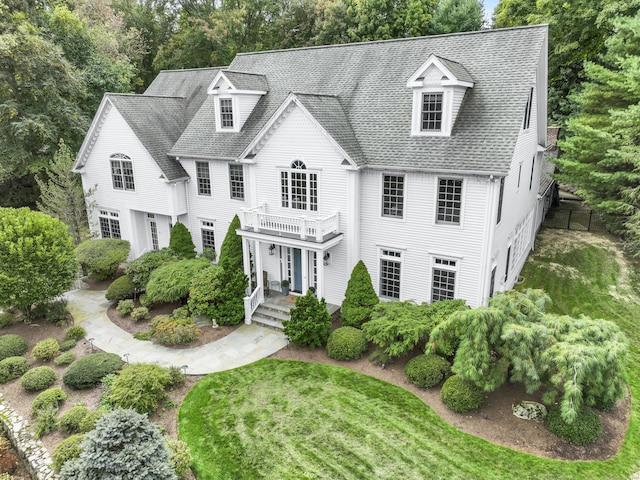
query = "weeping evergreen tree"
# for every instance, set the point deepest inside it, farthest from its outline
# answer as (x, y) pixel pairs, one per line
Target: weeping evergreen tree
(582, 360)
(360, 297)
(227, 305)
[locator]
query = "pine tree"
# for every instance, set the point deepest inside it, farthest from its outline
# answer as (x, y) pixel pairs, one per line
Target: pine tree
(360, 297)
(181, 243)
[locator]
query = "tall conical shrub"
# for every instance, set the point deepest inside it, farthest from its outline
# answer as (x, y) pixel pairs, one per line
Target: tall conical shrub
(360, 297)
(181, 243)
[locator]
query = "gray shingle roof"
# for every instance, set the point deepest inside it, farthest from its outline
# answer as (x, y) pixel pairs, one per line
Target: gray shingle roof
(458, 70)
(247, 81)
(546, 176)
(369, 79)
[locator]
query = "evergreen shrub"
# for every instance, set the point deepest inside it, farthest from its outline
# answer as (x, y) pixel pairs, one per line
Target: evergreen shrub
(52, 311)
(171, 282)
(140, 270)
(120, 289)
(74, 333)
(461, 395)
(347, 343)
(174, 331)
(38, 378)
(68, 449)
(12, 345)
(101, 258)
(45, 421)
(144, 300)
(71, 420)
(359, 298)
(180, 242)
(88, 423)
(86, 372)
(6, 319)
(65, 358)
(125, 307)
(310, 322)
(139, 314)
(140, 386)
(12, 368)
(49, 398)
(585, 429)
(46, 349)
(427, 371)
(67, 345)
(180, 456)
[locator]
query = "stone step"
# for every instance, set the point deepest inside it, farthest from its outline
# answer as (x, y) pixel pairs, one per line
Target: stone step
(271, 313)
(267, 322)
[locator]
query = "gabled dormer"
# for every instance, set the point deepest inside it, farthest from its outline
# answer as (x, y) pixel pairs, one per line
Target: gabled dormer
(236, 95)
(438, 88)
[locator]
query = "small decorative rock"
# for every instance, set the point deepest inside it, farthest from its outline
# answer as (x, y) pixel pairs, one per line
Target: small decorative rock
(529, 410)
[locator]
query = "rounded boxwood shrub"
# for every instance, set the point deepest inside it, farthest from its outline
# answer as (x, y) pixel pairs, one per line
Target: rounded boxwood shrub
(38, 379)
(347, 343)
(101, 258)
(584, 430)
(6, 319)
(139, 314)
(48, 399)
(86, 372)
(67, 449)
(120, 289)
(125, 307)
(12, 368)
(427, 371)
(12, 345)
(461, 395)
(64, 359)
(67, 345)
(140, 386)
(181, 459)
(71, 420)
(46, 349)
(74, 333)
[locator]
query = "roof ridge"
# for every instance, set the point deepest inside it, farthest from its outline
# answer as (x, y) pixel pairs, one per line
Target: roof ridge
(392, 40)
(195, 69)
(143, 95)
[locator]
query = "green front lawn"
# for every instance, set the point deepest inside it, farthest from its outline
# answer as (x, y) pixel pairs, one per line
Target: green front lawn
(281, 419)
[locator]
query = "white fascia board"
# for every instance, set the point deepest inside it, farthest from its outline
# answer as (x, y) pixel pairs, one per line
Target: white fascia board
(92, 134)
(219, 76)
(413, 82)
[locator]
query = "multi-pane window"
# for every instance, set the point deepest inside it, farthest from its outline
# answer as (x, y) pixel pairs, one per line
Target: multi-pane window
(527, 111)
(299, 187)
(449, 200)
(431, 112)
(500, 199)
(443, 285)
(122, 172)
(390, 263)
(226, 113)
(492, 283)
(236, 181)
(109, 224)
(204, 178)
(153, 231)
(208, 235)
(393, 196)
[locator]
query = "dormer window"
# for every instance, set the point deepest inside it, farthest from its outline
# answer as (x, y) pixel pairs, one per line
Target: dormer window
(431, 112)
(439, 86)
(226, 113)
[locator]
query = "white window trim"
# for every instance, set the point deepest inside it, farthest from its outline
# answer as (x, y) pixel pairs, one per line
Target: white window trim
(455, 269)
(218, 113)
(122, 157)
(447, 112)
(463, 189)
(207, 224)
(289, 169)
(109, 213)
(244, 183)
(403, 217)
(198, 180)
(399, 259)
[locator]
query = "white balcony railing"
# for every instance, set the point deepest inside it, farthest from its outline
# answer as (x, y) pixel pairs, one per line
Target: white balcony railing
(257, 219)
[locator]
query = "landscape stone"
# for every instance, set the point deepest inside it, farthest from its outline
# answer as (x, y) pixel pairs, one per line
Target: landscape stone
(528, 410)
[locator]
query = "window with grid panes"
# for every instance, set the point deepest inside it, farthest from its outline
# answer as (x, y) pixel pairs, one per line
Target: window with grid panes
(299, 187)
(500, 199)
(443, 285)
(449, 200)
(204, 178)
(236, 181)
(226, 113)
(208, 235)
(390, 265)
(393, 196)
(109, 224)
(122, 172)
(431, 112)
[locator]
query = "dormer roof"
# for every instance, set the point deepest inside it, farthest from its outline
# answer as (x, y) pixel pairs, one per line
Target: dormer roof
(453, 73)
(239, 82)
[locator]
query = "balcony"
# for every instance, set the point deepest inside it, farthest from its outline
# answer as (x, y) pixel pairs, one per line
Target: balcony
(315, 229)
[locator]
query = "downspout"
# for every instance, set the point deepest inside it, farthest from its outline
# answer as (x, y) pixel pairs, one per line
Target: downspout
(489, 234)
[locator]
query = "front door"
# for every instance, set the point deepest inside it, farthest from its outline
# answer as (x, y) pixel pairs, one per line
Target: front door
(294, 269)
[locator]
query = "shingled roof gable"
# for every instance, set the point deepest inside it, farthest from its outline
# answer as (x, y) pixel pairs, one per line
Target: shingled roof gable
(369, 79)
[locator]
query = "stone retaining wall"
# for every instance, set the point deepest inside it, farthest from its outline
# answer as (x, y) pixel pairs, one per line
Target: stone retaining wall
(35, 457)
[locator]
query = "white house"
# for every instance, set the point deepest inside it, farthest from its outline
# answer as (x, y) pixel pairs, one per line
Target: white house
(422, 157)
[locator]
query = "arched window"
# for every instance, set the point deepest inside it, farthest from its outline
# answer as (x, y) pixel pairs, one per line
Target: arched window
(122, 172)
(299, 187)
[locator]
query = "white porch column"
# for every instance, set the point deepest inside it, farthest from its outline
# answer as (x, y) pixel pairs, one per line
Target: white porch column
(305, 270)
(320, 273)
(257, 259)
(352, 220)
(246, 260)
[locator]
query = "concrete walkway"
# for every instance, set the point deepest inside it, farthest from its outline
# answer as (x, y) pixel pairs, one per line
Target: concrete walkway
(245, 345)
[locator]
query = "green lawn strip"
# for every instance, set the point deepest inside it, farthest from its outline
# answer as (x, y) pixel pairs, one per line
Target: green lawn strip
(280, 419)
